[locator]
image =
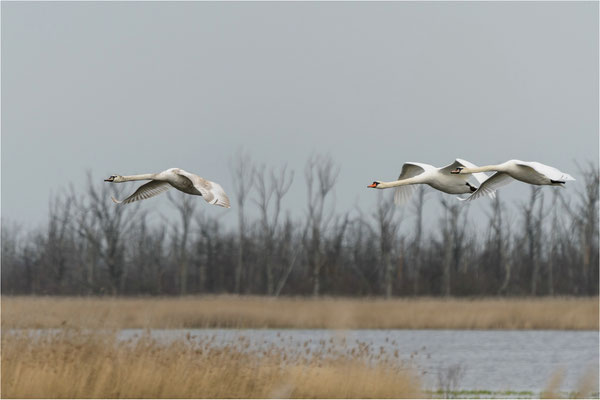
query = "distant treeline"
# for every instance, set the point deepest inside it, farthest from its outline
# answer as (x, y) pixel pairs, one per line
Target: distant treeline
(91, 246)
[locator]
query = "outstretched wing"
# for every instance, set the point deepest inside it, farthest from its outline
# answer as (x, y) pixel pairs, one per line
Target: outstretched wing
(489, 186)
(212, 192)
(147, 190)
(546, 170)
(409, 170)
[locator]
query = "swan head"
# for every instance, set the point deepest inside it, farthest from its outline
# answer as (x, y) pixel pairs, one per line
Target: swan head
(374, 184)
(457, 170)
(114, 178)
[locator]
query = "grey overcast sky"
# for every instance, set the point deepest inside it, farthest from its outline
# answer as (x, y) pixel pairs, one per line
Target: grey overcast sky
(138, 87)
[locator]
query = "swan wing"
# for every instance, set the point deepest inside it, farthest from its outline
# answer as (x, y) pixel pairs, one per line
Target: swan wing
(219, 197)
(490, 185)
(212, 192)
(412, 169)
(402, 194)
(147, 190)
(546, 170)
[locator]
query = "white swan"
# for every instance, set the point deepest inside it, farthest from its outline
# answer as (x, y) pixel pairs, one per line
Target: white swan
(531, 172)
(187, 182)
(438, 178)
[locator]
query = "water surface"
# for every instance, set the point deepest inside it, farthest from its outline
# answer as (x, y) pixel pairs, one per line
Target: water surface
(467, 360)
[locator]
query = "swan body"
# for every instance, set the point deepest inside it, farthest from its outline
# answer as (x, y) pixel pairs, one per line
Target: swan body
(438, 178)
(531, 172)
(181, 180)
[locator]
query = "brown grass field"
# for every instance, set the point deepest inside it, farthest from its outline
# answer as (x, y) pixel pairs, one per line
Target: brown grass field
(72, 364)
(81, 361)
(300, 313)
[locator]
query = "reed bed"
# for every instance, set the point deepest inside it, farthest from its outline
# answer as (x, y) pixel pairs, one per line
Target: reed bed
(300, 313)
(75, 364)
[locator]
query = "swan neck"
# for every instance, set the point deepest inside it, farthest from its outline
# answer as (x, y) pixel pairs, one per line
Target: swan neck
(142, 177)
(485, 168)
(402, 182)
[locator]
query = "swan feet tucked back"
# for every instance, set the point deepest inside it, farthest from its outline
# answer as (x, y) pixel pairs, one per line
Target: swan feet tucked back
(181, 180)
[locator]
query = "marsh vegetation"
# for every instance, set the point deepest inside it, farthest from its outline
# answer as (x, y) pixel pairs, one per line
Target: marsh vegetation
(576, 313)
(73, 364)
(295, 363)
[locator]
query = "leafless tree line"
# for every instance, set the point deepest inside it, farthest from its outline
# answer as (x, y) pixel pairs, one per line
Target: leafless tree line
(89, 246)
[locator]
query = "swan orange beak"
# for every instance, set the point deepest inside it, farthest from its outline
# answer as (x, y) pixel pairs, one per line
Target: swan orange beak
(372, 185)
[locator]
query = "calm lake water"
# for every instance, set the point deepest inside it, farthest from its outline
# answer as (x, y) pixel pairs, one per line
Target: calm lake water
(489, 360)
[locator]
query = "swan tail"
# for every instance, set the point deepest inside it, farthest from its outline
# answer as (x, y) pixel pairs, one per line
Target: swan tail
(567, 177)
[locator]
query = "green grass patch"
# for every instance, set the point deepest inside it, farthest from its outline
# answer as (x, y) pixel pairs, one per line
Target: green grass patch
(480, 393)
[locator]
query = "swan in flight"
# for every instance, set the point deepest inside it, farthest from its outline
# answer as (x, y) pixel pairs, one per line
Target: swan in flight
(531, 172)
(438, 178)
(187, 182)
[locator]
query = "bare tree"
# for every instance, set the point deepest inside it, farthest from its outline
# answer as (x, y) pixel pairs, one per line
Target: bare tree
(17, 264)
(585, 220)
(415, 245)
(333, 248)
(498, 243)
(533, 233)
(32, 256)
(88, 249)
(320, 174)
(387, 228)
(105, 225)
(149, 256)
(185, 205)
(277, 186)
(289, 251)
(91, 246)
(58, 242)
(242, 174)
(361, 247)
(207, 248)
(555, 228)
(453, 234)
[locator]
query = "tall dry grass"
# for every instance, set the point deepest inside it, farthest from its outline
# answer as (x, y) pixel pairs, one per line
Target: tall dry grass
(72, 364)
(339, 313)
(587, 386)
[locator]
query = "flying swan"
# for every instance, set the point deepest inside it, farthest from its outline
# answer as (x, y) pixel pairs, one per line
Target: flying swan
(438, 178)
(531, 172)
(181, 180)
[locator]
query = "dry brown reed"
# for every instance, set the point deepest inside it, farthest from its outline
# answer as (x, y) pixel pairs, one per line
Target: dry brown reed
(302, 313)
(552, 389)
(73, 364)
(586, 385)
